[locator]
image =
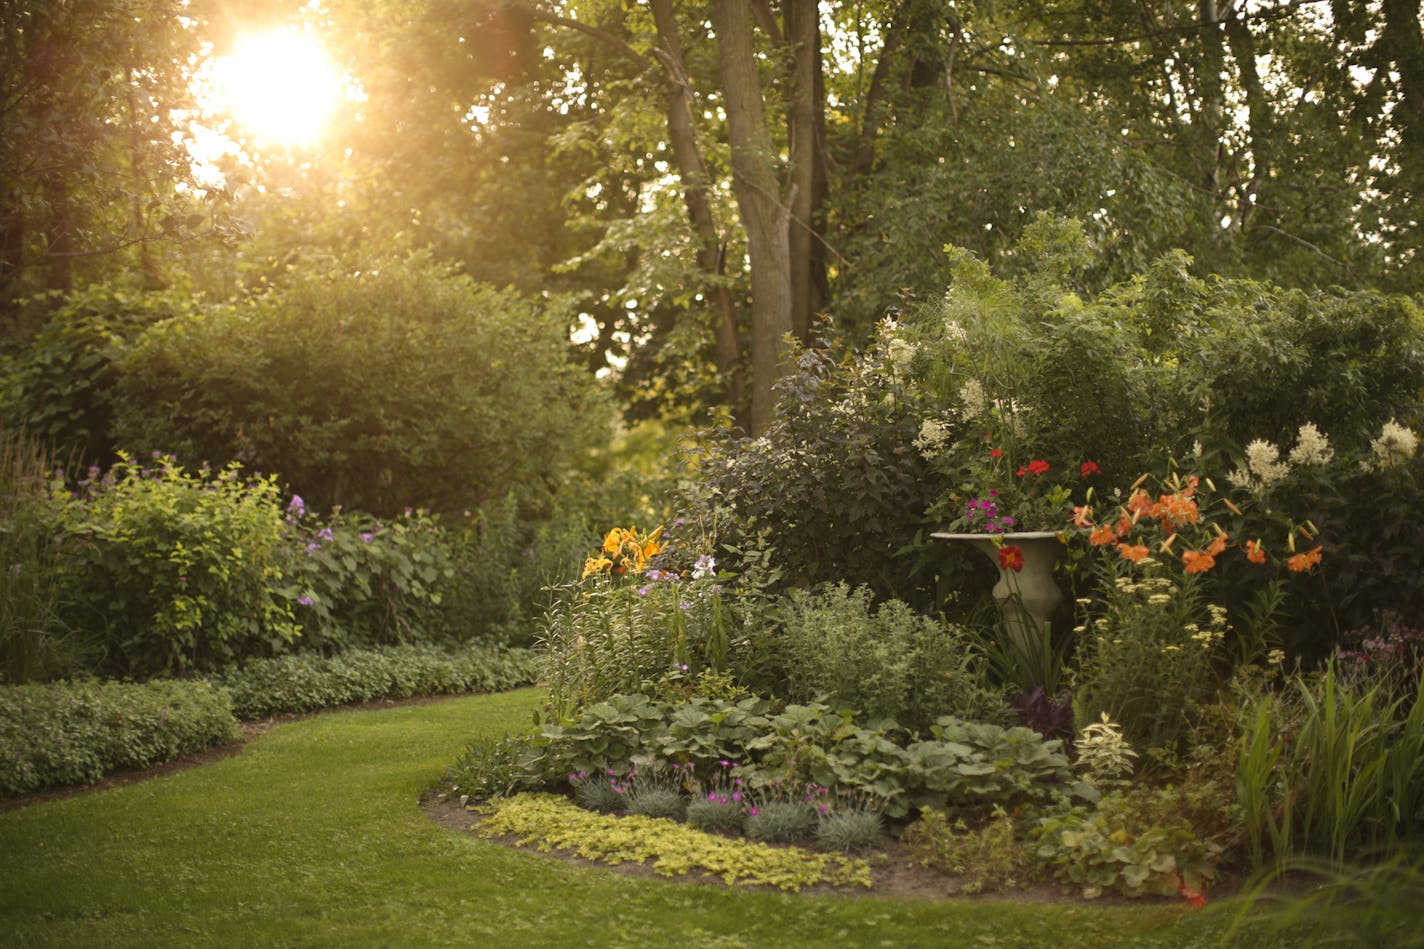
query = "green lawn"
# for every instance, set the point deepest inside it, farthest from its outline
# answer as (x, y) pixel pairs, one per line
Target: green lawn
(312, 836)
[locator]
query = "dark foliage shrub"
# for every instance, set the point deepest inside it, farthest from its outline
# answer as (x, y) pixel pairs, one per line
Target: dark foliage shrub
(835, 486)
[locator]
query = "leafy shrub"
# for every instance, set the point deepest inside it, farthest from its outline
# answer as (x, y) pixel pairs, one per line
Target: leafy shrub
(991, 857)
(884, 661)
(75, 733)
(399, 386)
(979, 765)
(302, 682)
(180, 570)
(1121, 847)
(60, 384)
(498, 767)
(366, 582)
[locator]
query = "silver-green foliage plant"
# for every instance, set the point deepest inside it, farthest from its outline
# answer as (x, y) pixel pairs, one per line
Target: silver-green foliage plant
(850, 821)
(882, 661)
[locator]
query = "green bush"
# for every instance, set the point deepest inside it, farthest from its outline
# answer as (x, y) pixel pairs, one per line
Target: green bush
(885, 661)
(1120, 846)
(181, 570)
(990, 857)
(59, 385)
(75, 733)
(399, 386)
(366, 582)
(977, 766)
(303, 682)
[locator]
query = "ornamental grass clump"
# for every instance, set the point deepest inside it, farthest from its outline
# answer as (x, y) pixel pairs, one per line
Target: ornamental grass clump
(852, 821)
(601, 791)
(719, 804)
(779, 817)
(656, 791)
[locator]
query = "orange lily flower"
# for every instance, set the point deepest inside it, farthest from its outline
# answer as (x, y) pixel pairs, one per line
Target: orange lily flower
(1300, 563)
(1255, 552)
(1198, 561)
(1133, 552)
(1102, 535)
(1011, 558)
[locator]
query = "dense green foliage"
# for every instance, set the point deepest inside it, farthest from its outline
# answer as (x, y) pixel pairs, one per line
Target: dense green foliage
(76, 732)
(301, 683)
(174, 569)
(884, 661)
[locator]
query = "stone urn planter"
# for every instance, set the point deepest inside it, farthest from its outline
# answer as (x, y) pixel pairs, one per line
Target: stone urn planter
(1028, 596)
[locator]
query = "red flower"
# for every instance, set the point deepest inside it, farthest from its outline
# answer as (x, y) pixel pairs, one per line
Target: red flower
(996, 453)
(1192, 895)
(1011, 558)
(1037, 467)
(1089, 468)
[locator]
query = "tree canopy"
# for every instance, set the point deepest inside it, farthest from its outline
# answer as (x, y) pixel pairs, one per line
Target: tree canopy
(703, 179)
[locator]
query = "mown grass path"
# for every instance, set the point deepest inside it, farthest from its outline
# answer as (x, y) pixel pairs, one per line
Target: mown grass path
(312, 836)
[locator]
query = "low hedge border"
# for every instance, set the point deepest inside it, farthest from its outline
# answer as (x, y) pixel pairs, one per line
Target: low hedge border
(75, 732)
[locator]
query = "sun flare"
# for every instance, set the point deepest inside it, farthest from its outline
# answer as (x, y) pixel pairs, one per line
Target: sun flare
(279, 85)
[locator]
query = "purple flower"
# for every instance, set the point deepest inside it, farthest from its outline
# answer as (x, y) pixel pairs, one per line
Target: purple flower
(306, 601)
(297, 506)
(367, 536)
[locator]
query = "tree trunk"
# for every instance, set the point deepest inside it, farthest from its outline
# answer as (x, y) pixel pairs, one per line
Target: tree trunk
(805, 119)
(693, 172)
(765, 213)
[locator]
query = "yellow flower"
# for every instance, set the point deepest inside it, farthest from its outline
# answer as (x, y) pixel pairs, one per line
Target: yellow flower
(613, 541)
(596, 565)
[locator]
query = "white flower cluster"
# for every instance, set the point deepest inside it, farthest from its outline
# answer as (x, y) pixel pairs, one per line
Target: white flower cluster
(933, 438)
(973, 399)
(1396, 445)
(1311, 447)
(1264, 466)
(900, 353)
(954, 332)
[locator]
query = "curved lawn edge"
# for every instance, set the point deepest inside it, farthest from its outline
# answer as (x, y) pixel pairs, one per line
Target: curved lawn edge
(312, 834)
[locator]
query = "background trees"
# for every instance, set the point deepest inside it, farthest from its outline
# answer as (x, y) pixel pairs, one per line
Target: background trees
(699, 179)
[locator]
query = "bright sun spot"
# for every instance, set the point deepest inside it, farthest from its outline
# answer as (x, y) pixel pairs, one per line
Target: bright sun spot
(280, 85)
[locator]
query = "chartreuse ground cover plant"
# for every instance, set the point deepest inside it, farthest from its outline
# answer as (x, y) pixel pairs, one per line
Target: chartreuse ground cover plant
(312, 836)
